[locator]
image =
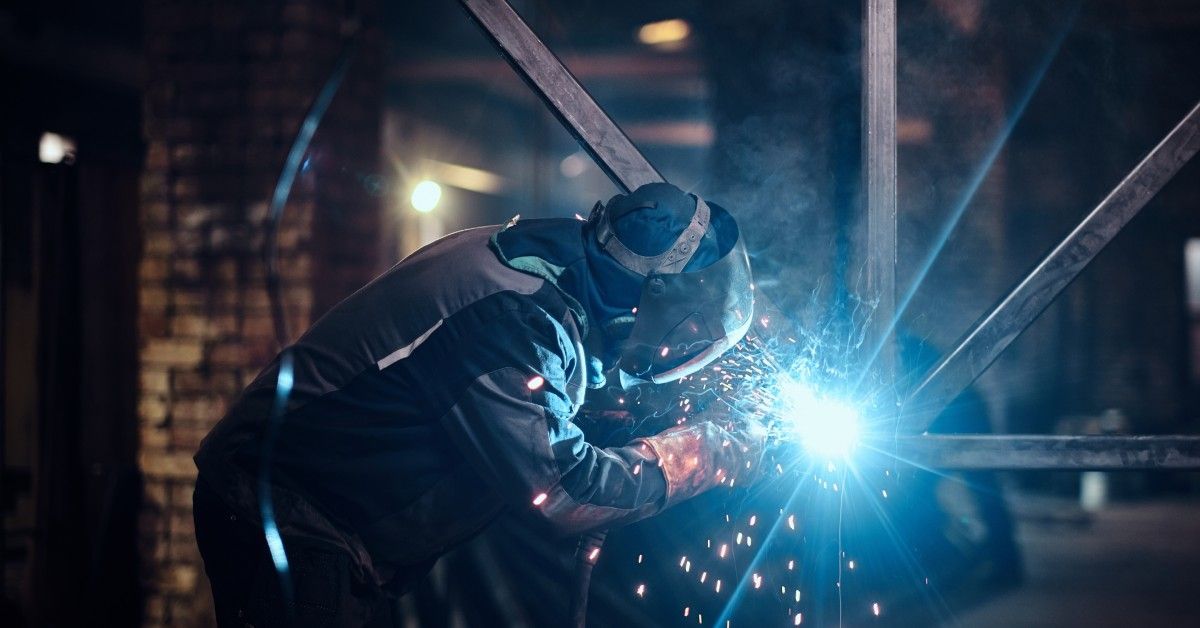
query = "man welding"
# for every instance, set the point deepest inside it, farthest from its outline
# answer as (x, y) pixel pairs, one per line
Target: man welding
(443, 392)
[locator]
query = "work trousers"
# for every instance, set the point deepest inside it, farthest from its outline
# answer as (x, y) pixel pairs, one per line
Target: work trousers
(248, 591)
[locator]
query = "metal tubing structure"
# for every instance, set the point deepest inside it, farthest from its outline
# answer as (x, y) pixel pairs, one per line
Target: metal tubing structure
(879, 183)
(574, 107)
(616, 155)
(993, 333)
(1073, 453)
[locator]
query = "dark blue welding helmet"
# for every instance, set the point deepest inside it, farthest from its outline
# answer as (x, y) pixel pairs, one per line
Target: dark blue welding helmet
(688, 313)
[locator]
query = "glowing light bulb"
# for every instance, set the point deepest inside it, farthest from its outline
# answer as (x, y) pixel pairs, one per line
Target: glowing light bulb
(425, 196)
(825, 427)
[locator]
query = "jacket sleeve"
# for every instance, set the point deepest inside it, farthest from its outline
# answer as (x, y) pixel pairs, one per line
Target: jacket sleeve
(513, 425)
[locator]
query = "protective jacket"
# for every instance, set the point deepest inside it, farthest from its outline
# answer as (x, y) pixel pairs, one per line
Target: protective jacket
(433, 398)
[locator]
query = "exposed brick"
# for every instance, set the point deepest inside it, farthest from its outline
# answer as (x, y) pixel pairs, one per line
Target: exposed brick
(159, 464)
(227, 354)
(172, 352)
(205, 409)
(152, 269)
(158, 243)
(217, 125)
(155, 494)
(192, 325)
(179, 579)
(154, 381)
(152, 409)
(154, 436)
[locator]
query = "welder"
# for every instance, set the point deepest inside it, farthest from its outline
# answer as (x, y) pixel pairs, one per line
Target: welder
(442, 394)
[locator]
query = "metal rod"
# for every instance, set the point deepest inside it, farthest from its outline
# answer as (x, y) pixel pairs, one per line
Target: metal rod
(879, 177)
(1026, 452)
(992, 333)
(574, 107)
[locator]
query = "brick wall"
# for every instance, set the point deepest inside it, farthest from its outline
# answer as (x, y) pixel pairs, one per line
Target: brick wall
(229, 82)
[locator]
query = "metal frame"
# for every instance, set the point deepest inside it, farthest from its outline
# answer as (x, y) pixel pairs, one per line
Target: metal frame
(989, 337)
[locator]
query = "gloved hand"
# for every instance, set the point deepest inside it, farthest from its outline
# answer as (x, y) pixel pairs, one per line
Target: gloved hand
(703, 455)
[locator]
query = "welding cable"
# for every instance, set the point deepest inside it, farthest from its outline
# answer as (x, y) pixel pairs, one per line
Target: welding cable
(586, 556)
(285, 378)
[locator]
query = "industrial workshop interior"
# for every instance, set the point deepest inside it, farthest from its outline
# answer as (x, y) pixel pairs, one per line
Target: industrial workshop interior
(477, 313)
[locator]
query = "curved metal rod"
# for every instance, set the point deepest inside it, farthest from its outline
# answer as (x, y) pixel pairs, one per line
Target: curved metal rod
(292, 165)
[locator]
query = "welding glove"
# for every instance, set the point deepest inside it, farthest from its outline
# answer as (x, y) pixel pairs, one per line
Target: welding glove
(707, 454)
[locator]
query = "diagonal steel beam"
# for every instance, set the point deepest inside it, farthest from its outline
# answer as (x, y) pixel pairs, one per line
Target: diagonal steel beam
(993, 333)
(1031, 453)
(607, 144)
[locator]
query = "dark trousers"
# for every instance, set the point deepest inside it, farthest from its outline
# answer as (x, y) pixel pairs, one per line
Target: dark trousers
(248, 591)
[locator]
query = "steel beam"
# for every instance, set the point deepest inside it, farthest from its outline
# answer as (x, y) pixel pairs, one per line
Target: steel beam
(1025, 452)
(574, 107)
(879, 182)
(993, 333)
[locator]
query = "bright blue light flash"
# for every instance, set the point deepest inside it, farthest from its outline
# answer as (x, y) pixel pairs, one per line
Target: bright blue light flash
(825, 427)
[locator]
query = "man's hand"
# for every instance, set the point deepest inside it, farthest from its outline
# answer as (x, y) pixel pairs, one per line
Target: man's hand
(710, 452)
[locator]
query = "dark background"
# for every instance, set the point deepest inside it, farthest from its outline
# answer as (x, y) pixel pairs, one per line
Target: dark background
(133, 306)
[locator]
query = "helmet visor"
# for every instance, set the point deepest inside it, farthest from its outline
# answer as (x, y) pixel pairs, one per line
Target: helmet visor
(687, 320)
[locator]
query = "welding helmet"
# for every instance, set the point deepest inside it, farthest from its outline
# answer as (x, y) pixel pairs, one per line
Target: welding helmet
(686, 317)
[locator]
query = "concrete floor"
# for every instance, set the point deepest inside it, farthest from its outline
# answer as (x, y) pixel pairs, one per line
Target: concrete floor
(1132, 564)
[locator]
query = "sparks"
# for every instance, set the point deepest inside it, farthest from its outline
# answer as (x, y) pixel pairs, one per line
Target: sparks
(535, 382)
(641, 590)
(541, 497)
(875, 608)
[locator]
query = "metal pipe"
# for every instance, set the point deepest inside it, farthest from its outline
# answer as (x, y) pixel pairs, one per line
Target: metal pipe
(992, 333)
(1031, 452)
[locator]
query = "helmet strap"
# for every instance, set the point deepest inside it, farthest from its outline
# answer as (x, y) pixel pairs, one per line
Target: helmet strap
(672, 260)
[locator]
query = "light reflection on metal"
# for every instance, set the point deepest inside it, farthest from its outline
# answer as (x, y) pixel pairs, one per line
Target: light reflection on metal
(879, 181)
(1025, 452)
